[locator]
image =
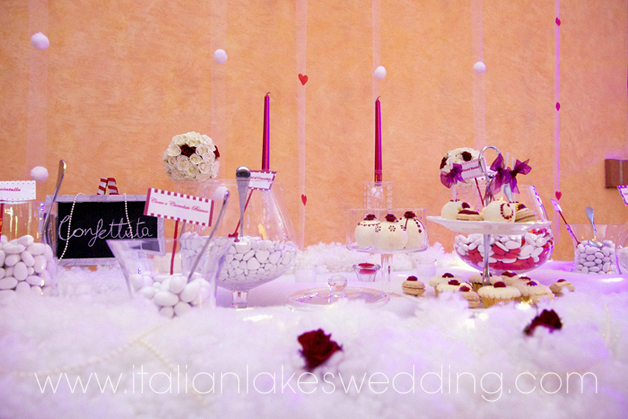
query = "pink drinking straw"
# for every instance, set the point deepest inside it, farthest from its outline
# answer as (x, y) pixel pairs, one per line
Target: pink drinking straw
(378, 141)
(266, 135)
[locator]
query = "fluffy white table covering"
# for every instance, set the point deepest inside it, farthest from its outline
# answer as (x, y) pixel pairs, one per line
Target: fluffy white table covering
(94, 330)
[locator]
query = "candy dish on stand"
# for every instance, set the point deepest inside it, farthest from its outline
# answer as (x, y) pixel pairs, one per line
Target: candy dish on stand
(504, 244)
(264, 245)
(387, 232)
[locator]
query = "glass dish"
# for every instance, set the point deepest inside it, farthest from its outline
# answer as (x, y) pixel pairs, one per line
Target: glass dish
(158, 269)
(267, 248)
(517, 247)
(596, 258)
(28, 264)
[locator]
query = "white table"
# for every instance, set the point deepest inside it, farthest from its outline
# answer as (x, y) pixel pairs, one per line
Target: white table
(448, 360)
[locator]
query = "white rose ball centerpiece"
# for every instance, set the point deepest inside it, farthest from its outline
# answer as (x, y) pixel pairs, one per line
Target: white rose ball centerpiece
(191, 157)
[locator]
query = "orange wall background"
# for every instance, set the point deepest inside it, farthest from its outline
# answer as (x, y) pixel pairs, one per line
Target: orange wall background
(121, 78)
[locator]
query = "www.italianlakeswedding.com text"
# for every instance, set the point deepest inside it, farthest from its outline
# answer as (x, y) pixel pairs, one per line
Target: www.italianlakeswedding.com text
(492, 385)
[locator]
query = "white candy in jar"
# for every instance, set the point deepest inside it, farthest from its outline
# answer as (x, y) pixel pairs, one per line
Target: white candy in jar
(589, 257)
(25, 265)
(253, 259)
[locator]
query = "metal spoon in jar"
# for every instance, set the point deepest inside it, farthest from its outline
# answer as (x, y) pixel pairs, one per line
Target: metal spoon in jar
(591, 216)
(243, 178)
(44, 232)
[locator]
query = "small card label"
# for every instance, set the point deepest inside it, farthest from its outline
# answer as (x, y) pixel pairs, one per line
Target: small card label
(623, 191)
(472, 170)
(261, 180)
(179, 207)
(18, 190)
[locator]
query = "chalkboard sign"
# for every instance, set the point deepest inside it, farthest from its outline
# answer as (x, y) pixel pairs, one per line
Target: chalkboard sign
(96, 219)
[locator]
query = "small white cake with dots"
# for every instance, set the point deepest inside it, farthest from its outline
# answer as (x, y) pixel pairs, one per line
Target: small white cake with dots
(390, 234)
(364, 232)
(415, 229)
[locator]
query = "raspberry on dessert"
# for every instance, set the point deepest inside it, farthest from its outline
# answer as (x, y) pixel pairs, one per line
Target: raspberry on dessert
(412, 278)
(499, 284)
(453, 282)
(391, 218)
(464, 288)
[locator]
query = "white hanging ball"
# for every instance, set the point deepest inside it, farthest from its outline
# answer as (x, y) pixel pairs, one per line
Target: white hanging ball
(380, 72)
(479, 67)
(40, 41)
(220, 192)
(39, 174)
(220, 56)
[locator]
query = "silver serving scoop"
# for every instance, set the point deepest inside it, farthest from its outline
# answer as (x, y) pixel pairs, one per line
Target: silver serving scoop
(60, 174)
(591, 216)
(243, 178)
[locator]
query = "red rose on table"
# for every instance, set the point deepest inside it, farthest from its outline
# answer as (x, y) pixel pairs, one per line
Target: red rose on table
(317, 348)
(547, 319)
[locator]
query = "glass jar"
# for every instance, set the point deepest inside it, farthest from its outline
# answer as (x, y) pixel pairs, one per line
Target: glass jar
(27, 261)
(596, 253)
(517, 253)
(267, 247)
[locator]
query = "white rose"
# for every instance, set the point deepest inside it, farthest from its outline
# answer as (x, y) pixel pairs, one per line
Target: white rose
(193, 139)
(205, 168)
(191, 172)
(176, 175)
(182, 163)
(206, 140)
(172, 161)
(202, 149)
(195, 159)
(209, 157)
(215, 167)
(178, 140)
(173, 150)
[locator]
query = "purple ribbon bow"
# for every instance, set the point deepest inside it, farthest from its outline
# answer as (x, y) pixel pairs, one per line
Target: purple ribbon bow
(502, 175)
(454, 176)
(520, 167)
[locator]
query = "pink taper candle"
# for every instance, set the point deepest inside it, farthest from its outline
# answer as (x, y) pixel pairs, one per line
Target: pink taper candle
(266, 136)
(378, 141)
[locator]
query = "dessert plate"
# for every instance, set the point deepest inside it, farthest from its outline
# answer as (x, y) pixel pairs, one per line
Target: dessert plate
(488, 227)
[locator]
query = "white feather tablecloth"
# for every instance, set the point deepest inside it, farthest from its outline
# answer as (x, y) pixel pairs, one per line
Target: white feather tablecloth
(429, 358)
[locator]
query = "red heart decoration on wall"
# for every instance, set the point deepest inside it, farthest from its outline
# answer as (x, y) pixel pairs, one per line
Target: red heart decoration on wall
(558, 21)
(557, 106)
(304, 199)
(558, 195)
(303, 79)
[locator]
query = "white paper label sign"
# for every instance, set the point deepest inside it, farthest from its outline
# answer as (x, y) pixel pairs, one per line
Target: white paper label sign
(179, 207)
(18, 190)
(262, 180)
(471, 170)
(623, 190)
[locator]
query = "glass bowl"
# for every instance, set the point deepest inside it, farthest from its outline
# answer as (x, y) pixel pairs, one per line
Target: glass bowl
(267, 248)
(520, 252)
(158, 269)
(27, 262)
(599, 256)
